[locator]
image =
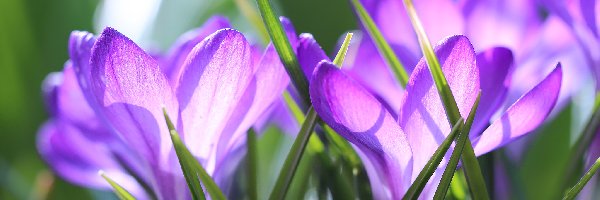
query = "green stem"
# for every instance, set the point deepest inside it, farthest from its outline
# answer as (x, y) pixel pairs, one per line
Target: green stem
(291, 162)
(573, 192)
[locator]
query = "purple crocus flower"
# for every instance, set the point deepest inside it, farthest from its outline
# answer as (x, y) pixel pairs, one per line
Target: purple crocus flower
(536, 42)
(394, 151)
(107, 105)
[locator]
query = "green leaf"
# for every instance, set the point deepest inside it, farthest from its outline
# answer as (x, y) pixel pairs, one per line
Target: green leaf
(471, 165)
(121, 192)
(382, 45)
(284, 49)
(442, 188)
(417, 187)
(341, 54)
(291, 162)
(251, 156)
(574, 191)
(192, 170)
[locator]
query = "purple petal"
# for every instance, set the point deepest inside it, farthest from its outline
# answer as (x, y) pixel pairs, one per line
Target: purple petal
(132, 91)
(78, 159)
(589, 11)
(173, 66)
(360, 118)
(523, 116)
(73, 106)
(507, 23)
(423, 117)
(365, 64)
(214, 79)
(80, 51)
(267, 85)
(494, 66)
(290, 31)
(309, 54)
(50, 87)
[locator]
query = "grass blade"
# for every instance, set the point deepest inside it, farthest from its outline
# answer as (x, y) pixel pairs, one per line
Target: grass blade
(417, 187)
(284, 49)
(291, 162)
(440, 192)
(574, 191)
(382, 45)
(192, 170)
(341, 54)
(471, 166)
(121, 192)
(252, 170)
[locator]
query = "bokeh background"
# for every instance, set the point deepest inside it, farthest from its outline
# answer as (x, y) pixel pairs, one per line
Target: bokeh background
(33, 42)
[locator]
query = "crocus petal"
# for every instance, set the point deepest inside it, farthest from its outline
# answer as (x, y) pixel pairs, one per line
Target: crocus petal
(360, 118)
(267, 85)
(365, 64)
(423, 117)
(80, 51)
(290, 31)
(589, 10)
(50, 87)
(309, 53)
(523, 116)
(173, 66)
(73, 106)
(215, 77)
(132, 91)
(494, 66)
(501, 23)
(78, 159)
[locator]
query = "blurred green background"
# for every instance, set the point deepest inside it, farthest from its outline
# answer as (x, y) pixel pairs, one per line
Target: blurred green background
(33, 42)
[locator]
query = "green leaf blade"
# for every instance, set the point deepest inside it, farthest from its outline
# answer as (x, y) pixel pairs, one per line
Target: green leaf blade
(291, 162)
(284, 49)
(121, 192)
(382, 45)
(444, 184)
(417, 187)
(194, 173)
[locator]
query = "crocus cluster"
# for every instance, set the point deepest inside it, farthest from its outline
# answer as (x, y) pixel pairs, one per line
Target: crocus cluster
(108, 104)
(107, 108)
(395, 150)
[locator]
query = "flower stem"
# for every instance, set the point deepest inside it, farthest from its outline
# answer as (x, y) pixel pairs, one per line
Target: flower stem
(574, 191)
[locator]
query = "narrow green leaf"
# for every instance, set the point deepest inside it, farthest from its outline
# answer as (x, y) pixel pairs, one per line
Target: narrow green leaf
(192, 170)
(284, 49)
(341, 54)
(291, 162)
(251, 156)
(442, 188)
(382, 45)
(574, 191)
(417, 187)
(121, 192)
(471, 165)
